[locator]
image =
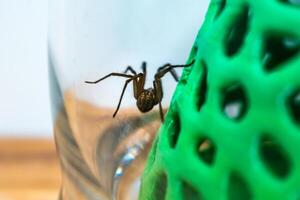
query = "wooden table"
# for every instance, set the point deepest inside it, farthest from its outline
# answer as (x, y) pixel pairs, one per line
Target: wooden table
(29, 169)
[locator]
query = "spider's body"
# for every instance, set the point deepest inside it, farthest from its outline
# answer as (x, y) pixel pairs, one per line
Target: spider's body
(146, 99)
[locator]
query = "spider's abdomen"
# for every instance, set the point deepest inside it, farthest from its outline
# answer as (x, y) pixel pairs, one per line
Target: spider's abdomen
(146, 100)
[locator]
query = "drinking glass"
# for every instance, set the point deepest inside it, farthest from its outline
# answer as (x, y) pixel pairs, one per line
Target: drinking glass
(103, 157)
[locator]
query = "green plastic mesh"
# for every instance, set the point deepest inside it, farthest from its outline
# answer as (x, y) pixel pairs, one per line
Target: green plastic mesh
(233, 127)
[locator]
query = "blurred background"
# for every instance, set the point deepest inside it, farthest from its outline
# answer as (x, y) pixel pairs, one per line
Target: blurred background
(28, 164)
(24, 103)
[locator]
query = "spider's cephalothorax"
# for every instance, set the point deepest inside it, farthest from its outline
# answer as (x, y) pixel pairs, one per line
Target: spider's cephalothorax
(146, 98)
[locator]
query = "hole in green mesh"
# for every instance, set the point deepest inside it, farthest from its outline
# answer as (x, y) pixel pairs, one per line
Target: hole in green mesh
(207, 151)
(235, 103)
(238, 188)
(222, 5)
(202, 87)
(174, 130)
(291, 2)
(279, 49)
(189, 192)
(194, 51)
(274, 157)
(160, 187)
(294, 106)
(237, 33)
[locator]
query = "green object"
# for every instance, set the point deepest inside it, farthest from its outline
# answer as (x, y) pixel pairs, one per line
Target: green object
(233, 127)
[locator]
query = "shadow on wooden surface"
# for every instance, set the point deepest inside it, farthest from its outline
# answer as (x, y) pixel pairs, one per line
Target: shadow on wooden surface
(29, 170)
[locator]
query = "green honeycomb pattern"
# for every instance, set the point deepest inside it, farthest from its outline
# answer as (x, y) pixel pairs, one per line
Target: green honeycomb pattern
(233, 127)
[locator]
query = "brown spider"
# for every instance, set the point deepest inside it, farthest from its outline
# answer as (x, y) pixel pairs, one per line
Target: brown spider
(146, 98)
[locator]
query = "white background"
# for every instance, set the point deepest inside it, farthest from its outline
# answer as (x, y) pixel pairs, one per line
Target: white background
(24, 102)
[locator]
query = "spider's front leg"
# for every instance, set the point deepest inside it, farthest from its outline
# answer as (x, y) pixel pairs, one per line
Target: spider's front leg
(167, 68)
(139, 81)
(130, 78)
(109, 75)
(129, 68)
(122, 94)
(138, 85)
(161, 71)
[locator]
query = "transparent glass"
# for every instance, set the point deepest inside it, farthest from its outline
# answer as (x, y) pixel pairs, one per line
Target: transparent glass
(103, 157)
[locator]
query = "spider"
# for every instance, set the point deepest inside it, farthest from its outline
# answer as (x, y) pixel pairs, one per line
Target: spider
(146, 99)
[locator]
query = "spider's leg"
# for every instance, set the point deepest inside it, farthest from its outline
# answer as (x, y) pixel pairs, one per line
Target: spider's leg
(121, 97)
(129, 68)
(167, 65)
(163, 67)
(174, 74)
(141, 79)
(138, 84)
(187, 65)
(144, 67)
(158, 95)
(158, 85)
(111, 74)
(161, 113)
(170, 68)
(162, 72)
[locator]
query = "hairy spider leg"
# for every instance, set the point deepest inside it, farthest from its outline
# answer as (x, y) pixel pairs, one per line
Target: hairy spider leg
(111, 74)
(157, 84)
(158, 95)
(130, 78)
(138, 82)
(122, 94)
(175, 66)
(138, 85)
(129, 68)
(144, 68)
(173, 72)
(170, 68)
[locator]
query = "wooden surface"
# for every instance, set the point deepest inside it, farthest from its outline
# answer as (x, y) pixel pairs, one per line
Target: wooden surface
(29, 170)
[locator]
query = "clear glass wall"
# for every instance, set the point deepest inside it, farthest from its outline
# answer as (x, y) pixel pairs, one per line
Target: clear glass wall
(103, 157)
